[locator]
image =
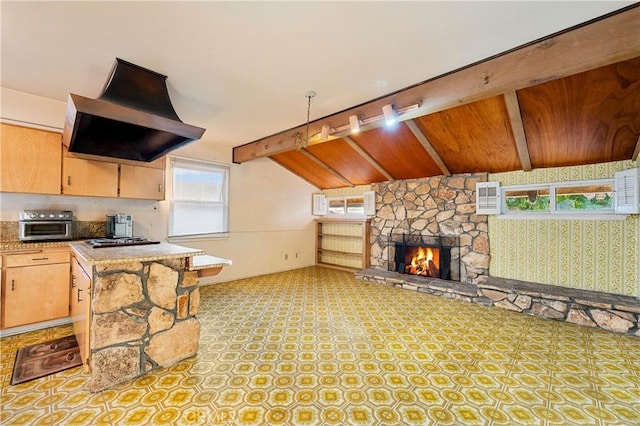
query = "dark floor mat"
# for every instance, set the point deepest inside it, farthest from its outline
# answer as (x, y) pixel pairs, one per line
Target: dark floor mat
(42, 359)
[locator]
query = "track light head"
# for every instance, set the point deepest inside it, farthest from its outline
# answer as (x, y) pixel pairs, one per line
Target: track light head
(354, 123)
(389, 114)
(324, 134)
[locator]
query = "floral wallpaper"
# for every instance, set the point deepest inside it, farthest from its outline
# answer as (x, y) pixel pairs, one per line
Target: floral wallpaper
(601, 255)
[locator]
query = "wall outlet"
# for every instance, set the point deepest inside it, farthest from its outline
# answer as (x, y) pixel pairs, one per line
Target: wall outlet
(286, 257)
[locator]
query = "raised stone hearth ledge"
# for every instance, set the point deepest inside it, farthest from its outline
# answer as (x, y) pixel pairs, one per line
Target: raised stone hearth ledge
(611, 312)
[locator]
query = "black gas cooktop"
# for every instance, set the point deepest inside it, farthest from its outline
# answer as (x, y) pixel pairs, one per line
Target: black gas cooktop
(120, 242)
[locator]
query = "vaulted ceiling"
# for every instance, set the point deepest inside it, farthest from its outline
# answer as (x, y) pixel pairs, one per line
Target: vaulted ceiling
(569, 99)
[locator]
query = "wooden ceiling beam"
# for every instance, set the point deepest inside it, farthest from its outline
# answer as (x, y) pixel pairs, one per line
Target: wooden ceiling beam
(326, 167)
(602, 42)
(364, 154)
(422, 138)
(515, 117)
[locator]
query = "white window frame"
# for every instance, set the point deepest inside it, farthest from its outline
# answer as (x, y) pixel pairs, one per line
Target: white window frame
(488, 197)
(320, 206)
(187, 163)
(554, 213)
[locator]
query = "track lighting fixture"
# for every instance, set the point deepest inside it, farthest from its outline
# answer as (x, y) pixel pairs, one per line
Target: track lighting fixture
(389, 115)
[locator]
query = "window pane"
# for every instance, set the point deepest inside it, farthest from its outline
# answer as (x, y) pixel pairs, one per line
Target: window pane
(198, 218)
(584, 197)
(529, 200)
(197, 185)
(355, 206)
(199, 198)
(336, 206)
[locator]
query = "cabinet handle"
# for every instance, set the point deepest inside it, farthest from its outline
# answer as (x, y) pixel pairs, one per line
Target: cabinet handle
(13, 285)
(159, 187)
(73, 281)
(68, 180)
(40, 258)
(78, 298)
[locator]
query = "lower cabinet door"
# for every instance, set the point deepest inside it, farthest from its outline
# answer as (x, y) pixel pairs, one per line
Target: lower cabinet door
(79, 302)
(35, 293)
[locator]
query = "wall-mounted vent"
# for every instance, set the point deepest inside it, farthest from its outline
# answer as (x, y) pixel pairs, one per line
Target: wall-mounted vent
(627, 190)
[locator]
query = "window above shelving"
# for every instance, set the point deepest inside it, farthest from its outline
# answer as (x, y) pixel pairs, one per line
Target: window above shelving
(346, 206)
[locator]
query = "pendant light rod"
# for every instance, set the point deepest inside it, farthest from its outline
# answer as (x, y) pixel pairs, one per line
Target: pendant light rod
(310, 94)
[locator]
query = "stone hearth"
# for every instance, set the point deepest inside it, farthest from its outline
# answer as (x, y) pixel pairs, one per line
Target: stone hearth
(615, 313)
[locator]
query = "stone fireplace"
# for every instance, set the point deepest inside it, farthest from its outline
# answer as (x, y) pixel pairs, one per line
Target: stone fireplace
(421, 255)
(422, 213)
(434, 211)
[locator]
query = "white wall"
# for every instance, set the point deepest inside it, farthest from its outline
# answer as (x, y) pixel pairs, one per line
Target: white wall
(270, 208)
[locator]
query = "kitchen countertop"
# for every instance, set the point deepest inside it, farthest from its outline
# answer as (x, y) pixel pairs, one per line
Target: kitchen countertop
(206, 262)
(141, 253)
(22, 245)
(199, 261)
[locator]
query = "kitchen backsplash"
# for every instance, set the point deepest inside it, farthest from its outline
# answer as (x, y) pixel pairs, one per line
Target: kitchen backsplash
(81, 230)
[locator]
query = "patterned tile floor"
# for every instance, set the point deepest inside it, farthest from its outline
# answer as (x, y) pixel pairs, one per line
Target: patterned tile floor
(316, 347)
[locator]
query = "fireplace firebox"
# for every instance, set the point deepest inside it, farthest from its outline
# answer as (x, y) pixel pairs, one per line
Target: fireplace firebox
(426, 256)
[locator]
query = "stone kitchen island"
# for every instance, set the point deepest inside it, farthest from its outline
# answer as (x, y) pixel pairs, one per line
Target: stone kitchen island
(134, 308)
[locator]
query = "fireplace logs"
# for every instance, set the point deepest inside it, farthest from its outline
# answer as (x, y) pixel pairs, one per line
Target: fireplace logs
(425, 261)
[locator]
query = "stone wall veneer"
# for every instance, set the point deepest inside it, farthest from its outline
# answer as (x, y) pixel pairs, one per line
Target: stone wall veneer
(437, 206)
(143, 317)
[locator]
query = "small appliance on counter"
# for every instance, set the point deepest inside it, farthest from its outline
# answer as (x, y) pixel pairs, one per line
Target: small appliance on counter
(119, 232)
(45, 225)
(119, 225)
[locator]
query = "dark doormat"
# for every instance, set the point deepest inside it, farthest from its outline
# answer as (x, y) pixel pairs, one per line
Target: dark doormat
(42, 359)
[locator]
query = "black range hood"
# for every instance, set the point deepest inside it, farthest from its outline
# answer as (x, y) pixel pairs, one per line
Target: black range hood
(132, 119)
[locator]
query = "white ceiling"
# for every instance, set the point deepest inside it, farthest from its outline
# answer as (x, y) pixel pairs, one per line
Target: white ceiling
(241, 69)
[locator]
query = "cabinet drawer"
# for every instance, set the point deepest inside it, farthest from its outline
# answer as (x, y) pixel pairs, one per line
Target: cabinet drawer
(42, 258)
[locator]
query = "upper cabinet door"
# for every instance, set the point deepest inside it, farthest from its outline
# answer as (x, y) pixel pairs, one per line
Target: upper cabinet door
(89, 178)
(30, 160)
(141, 182)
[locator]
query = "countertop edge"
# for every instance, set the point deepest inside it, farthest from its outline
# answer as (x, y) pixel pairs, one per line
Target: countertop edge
(133, 253)
(200, 262)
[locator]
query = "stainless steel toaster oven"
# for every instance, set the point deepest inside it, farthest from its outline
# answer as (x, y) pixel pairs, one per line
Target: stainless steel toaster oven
(45, 225)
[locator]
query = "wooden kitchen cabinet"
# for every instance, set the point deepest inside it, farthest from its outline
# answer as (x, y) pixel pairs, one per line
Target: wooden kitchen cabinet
(94, 176)
(79, 305)
(141, 182)
(35, 286)
(36, 161)
(30, 160)
(89, 177)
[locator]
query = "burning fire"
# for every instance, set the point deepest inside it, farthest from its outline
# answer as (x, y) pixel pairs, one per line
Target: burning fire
(422, 263)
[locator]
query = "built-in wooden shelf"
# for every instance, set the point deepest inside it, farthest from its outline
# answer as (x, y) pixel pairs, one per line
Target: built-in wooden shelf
(342, 243)
(346, 253)
(346, 237)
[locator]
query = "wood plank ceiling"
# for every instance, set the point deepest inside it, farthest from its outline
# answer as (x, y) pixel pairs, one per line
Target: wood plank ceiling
(586, 117)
